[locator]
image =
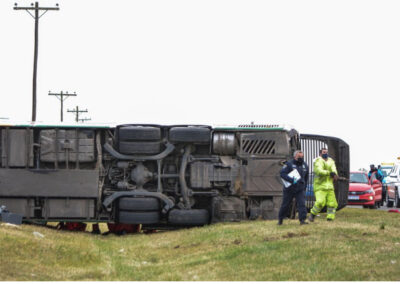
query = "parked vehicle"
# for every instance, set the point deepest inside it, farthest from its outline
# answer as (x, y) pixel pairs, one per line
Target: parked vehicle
(364, 191)
(393, 187)
(155, 175)
(386, 169)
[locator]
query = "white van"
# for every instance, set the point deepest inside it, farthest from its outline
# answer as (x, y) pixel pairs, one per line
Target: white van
(393, 187)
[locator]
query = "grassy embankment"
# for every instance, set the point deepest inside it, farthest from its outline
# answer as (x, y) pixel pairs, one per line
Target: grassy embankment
(358, 245)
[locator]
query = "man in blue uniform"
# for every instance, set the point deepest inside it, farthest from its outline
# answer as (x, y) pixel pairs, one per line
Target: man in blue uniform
(294, 186)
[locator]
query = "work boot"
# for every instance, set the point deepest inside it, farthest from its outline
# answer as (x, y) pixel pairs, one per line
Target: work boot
(280, 222)
(303, 222)
(311, 217)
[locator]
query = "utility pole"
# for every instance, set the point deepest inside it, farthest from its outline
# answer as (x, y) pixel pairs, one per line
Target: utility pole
(36, 16)
(62, 97)
(84, 119)
(77, 111)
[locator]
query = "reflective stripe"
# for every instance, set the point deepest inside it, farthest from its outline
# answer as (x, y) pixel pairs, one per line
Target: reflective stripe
(331, 210)
(315, 210)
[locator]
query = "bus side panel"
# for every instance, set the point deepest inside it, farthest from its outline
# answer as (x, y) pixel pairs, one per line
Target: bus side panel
(51, 208)
(22, 206)
(49, 183)
(50, 194)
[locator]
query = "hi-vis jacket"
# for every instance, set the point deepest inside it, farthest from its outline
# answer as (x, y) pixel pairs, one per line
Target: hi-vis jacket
(322, 171)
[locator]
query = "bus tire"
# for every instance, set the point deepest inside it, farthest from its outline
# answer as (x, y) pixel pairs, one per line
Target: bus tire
(139, 204)
(189, 135)
(193, 217)
(127, 217)
(139, 133)
(139, 147)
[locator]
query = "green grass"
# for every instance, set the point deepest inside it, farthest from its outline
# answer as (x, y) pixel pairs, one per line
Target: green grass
(359, 245)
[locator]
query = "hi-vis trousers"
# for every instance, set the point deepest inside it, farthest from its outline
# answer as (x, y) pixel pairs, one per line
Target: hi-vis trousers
(323, 198)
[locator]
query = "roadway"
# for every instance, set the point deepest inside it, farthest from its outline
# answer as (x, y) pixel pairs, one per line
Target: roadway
(383, 208)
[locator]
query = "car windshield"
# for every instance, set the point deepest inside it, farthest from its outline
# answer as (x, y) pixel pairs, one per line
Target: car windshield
(358, 178)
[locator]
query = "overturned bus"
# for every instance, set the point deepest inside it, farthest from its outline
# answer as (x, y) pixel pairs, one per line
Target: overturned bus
(154, 175)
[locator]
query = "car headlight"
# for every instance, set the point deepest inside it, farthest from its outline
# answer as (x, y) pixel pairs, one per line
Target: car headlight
(371, 191)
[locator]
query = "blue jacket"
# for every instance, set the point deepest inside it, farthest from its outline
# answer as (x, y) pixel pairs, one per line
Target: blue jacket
(303, 171)
(378, 174)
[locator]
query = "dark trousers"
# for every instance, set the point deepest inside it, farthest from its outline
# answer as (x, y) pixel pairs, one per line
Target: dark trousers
(288, 195)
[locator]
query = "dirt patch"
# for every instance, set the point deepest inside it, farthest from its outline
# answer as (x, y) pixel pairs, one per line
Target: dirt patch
(289, 235)
(189, 246)
(345, 236)
(294, 235)
(269, 239)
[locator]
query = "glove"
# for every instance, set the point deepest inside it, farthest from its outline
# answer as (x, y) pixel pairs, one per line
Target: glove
(332, 174)
(295, 180)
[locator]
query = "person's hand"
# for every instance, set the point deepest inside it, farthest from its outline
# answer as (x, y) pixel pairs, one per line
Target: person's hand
(295, 180)
(332, 174)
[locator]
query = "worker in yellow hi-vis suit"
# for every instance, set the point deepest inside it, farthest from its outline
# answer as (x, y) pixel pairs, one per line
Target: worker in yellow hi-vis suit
(324, 174)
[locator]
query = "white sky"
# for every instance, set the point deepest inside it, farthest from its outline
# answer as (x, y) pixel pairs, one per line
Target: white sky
(325, 67)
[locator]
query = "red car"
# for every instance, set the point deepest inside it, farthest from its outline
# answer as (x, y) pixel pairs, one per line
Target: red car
(364, 191)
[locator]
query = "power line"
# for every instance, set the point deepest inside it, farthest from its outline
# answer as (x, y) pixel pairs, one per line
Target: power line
(77, 111)
(36, 16)
(62, 97)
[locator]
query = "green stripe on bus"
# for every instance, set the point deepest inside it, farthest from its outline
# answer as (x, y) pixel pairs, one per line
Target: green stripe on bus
(248, 128)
